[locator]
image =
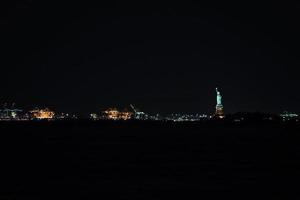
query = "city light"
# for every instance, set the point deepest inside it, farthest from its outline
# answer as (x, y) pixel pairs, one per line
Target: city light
(42, 114)
(10, 113)
(114, 114)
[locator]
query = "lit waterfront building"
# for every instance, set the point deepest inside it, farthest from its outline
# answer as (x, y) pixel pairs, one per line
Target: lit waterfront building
(94, 116)
(114, 114)
(186, 117)
(288, 116)
(125, 115)
(42, 114)
(62, 116)
(219, 107)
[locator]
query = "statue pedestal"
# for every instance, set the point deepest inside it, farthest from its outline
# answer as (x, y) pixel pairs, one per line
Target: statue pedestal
(219, 111)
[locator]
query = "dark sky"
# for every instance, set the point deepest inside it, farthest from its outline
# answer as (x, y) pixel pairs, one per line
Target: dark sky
(162, 57)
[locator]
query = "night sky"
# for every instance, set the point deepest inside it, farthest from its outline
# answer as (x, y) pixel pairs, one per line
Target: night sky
(161, 57)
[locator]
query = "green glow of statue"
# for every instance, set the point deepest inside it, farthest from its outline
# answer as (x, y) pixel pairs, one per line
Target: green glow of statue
(219, 98)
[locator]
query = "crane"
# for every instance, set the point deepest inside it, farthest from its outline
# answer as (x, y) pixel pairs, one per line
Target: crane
(138, 114)
(133, 108)
(11, 112)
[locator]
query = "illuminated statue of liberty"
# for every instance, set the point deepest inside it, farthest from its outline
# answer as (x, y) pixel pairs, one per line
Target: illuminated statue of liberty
(219, 107)
(219, 97)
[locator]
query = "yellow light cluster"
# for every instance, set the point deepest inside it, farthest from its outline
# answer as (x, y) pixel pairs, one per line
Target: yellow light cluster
(114, 114)
(125, 115)
(42, 114)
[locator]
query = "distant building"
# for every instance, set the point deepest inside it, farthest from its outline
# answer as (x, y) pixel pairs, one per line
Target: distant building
(285, 116)
(63, 116)
(94, 116)
(125, 115)
(42, 114)
(114, 114)
(186, 117)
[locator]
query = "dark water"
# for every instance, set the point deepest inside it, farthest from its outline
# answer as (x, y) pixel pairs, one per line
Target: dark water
(103, 160)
